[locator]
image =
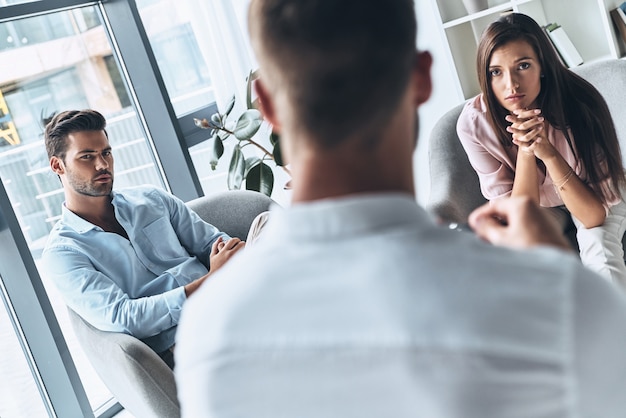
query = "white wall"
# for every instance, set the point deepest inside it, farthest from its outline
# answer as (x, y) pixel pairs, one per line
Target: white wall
(444, 97)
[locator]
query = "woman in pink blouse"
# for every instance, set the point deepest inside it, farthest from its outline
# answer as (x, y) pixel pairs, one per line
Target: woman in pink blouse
(539, 130)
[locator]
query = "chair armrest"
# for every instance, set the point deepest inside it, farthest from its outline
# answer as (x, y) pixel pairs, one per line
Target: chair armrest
(136, 376)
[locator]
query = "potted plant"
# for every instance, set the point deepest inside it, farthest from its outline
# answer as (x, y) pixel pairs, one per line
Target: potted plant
(258, 175)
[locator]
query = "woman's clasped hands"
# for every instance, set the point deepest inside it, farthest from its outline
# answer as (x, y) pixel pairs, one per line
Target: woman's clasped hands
(528, 131)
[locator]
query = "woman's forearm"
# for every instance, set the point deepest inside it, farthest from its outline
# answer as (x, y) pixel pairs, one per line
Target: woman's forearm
(526, 182)
(582, 202)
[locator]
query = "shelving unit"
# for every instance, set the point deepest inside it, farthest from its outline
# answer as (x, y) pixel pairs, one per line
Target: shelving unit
(587, 23)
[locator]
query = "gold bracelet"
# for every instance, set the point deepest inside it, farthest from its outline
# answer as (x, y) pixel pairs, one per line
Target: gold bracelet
(569, 173)
(564, 180)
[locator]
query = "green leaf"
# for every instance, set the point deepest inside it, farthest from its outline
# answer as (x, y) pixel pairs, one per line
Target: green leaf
(216, 118)
(274, 137)
(230, 106)
(248, 124)
(249, 81)
(250, 163)
(216, 150)
(261, 179)
(236, 169)
(278, 155)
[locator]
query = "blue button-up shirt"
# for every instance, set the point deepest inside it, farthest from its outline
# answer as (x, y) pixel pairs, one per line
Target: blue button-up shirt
(132, 285)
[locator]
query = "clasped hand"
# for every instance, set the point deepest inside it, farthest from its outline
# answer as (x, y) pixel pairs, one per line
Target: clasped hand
(528, 131)
(222, 251)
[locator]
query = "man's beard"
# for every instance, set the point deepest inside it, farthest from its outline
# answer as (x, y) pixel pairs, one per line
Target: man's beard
(88, 187)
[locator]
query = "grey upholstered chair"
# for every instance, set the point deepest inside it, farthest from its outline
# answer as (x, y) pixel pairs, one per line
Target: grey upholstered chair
(454, 186)
(136, 376)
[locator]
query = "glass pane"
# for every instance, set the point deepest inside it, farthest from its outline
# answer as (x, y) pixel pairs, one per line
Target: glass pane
(19, 396)
(61, 61)
(180, 42)
(6, 2)
(175, 35)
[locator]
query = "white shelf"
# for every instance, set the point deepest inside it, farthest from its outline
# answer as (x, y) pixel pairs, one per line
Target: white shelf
(474, 16)
(587, 23)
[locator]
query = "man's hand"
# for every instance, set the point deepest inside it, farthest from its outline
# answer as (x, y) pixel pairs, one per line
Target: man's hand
(221, 252)
(516, 222)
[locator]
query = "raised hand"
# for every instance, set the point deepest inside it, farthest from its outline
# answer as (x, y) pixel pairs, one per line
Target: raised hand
(516, 222)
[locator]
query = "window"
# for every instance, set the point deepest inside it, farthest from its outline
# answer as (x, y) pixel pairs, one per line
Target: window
(64, 60)
(17, 383)
(76, 54)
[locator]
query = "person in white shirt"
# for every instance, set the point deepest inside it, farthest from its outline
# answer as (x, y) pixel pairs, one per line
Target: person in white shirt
(353, 303)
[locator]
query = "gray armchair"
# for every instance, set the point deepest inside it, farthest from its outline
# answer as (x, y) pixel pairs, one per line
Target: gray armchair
(136, 376)
(454, 186)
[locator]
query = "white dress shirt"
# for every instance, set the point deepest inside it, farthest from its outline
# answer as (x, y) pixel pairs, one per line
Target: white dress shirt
(362, 307)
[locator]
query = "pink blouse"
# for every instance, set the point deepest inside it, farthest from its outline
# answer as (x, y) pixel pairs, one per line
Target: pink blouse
(495, 164)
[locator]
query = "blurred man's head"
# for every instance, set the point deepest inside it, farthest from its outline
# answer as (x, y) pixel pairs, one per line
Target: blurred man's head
(340, 66)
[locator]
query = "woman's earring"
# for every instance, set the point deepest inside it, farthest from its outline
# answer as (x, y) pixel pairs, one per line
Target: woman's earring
(541, 76)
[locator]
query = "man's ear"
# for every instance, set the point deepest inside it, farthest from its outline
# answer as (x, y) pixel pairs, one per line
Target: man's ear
(57, 166)
(422, 82)
(266, 105)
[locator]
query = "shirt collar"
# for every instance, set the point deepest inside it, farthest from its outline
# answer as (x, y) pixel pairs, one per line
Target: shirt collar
(352, 215)
(77, 223)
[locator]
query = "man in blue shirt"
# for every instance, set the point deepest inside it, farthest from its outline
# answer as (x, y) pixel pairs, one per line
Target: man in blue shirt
(125, 261)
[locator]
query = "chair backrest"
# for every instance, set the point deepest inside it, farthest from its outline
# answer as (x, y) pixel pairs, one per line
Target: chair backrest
(136, 376)
(233, 211)
(454, 186)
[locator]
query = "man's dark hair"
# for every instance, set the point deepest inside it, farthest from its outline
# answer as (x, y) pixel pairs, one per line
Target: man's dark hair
(65, 123)
(345, 63)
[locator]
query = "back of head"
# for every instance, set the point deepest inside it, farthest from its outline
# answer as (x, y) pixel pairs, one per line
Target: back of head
(341, 64)
(67, 122)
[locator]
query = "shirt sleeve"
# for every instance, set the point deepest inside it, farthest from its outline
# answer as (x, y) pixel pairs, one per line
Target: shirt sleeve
(100, 301)
(196, 235)
(599, 337)
(485, 153)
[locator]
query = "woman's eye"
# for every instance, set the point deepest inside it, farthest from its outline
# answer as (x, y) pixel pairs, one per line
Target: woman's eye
(524, 66)
(494, 73)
